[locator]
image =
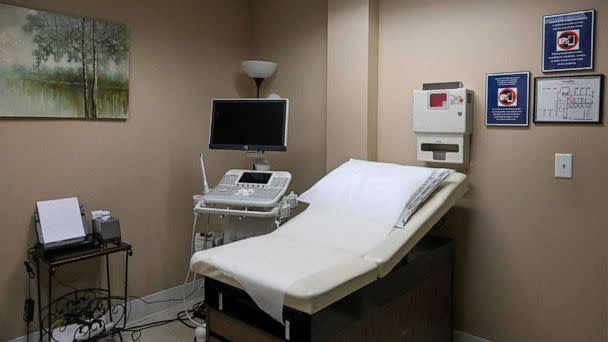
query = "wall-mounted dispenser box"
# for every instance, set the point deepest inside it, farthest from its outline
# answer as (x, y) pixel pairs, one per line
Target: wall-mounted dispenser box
(442, 120)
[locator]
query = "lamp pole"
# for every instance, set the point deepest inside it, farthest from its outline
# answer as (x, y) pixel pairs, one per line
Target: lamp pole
(258, 83)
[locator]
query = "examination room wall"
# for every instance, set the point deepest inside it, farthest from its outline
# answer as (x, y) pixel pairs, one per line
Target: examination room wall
(294, 34)
(531, 249)
(145, 169)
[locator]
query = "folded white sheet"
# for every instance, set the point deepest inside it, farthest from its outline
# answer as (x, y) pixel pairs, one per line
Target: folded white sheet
(422, 193)
(381, 191)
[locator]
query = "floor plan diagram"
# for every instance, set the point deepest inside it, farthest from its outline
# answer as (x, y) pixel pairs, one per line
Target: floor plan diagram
(573, 99)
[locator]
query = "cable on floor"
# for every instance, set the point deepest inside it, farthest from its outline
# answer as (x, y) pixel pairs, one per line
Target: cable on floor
(182, 317)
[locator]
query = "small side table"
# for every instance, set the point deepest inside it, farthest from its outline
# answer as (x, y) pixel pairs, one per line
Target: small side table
(85, 307)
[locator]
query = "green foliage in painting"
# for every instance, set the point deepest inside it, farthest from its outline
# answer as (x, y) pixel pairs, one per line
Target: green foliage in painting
(67, 54)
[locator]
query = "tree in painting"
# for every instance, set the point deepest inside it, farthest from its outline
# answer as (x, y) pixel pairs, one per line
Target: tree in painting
(53, 65)
(81, 40)
(110, 43)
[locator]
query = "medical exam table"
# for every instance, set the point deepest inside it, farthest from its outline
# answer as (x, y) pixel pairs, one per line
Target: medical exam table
(399, 290)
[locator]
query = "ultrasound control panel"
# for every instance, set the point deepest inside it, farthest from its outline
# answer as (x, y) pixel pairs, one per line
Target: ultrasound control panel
(249, 188)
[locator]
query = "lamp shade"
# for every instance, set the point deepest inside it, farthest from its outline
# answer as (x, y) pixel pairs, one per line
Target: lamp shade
(259, 69)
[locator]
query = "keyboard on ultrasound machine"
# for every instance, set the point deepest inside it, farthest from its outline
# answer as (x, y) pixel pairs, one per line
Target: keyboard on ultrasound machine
(248, 188)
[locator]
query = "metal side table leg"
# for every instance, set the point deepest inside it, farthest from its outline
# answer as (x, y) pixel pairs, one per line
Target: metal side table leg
(109, 287)
(40, 326)
(127, 254)
(50, 299)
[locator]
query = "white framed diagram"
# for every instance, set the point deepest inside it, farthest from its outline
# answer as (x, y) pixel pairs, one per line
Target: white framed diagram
(568, 99)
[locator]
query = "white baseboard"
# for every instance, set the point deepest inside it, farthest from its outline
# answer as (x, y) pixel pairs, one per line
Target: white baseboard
(460, 336)
(141, 310)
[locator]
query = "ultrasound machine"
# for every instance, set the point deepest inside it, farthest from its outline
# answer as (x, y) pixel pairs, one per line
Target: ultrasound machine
(250, 202)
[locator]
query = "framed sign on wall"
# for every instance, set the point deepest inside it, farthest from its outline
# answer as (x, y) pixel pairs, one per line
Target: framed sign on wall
(568, 99)
(568, 40)
(507, 99)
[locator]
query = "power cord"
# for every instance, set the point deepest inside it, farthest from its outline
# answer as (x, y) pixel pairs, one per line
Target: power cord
(28, 306)
(137, 330)
(203, 325)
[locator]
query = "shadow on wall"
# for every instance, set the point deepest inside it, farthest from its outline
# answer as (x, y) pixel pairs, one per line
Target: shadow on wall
(84, 274)
(20, 283)
(458, 226)
(268, 86)
(463, 168)
(465, 224)
(244, 85)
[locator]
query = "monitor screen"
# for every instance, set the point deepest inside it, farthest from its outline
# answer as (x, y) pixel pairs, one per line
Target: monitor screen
(255, 177)
(249, 124)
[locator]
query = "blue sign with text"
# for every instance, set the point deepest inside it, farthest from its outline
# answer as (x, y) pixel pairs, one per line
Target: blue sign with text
(568, 41)
(507, 99)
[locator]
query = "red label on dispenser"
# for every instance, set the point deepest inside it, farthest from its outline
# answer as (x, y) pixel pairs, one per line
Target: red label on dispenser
(438, 100)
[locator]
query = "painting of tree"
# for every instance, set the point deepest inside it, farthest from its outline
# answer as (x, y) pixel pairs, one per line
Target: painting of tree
(55, 65)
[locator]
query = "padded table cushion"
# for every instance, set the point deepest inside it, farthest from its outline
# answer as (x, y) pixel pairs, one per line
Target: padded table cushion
(400, 241)
(327, 286)
(316, 292)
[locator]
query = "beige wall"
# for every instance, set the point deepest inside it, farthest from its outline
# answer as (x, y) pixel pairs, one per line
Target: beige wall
(183, 53)
(351, 80)
(294, 34)
(531, 249)
(372, 79)
(531, 258)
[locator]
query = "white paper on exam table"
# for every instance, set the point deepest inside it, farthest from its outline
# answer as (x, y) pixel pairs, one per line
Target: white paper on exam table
(336, 228)
(60, 219)
(317, 239)
(264, 276)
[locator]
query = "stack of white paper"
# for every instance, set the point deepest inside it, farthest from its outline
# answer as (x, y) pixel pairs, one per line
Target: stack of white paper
(60, 220)
(422, 193)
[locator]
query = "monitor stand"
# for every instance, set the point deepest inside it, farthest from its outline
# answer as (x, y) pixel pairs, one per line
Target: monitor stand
(260, 162)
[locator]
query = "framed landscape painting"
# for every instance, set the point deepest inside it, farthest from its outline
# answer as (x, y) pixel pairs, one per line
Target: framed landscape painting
(60, 66)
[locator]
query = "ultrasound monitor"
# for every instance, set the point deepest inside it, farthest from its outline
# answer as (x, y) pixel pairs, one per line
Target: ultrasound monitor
(249, 124)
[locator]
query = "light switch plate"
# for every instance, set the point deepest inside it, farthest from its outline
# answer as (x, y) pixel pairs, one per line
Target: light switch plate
(563, 165)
